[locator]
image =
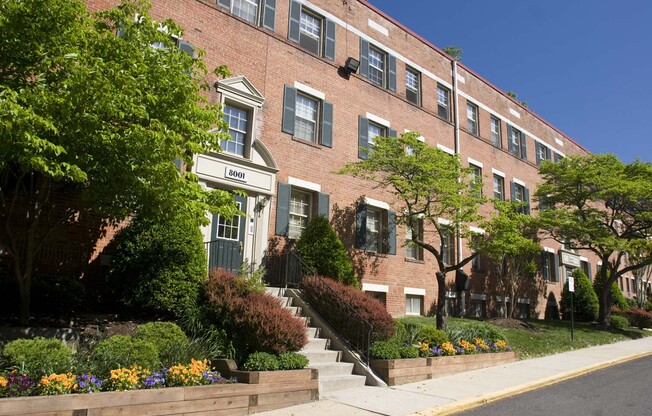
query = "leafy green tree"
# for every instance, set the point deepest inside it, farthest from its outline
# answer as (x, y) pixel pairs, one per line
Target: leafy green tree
(511, 242)
(454, 52)
(324, 252)
(428, 184)
(98, 115)
(585, 301)
(604, 206)
(615, 294)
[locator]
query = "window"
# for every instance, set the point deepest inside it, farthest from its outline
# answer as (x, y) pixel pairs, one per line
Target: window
(307, 118)
(374, 131)
(412, 86)
(413, 304)
(517, 143)
(476, 263)
(496, 138)
(295, 207)
(521, 195)
(413, 251)
(478, 306)
(476, 179)
(586, 268)
(380, 296)
(499, 187)
(448, 246)
(377, 66)
(257, 12)
(375, 229)
(472, 118)
(238, 127)
(229, 229)
(367, 131)
(443, 99)
(543, 153)
(300, 207)
(549, 266)
(311, 31)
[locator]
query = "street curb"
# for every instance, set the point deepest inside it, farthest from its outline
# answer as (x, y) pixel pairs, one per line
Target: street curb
(473, 402)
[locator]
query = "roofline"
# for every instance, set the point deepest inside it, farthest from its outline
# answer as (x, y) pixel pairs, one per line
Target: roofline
(445, 55)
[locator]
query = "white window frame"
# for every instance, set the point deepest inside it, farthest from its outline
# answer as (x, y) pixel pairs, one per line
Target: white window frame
(413, 83)
(377, 74)
(374, 229)
(515, 139)
(225, 145)
(250, 3)
(295, 231)
(299, 119)
(476, 173)
(502, 186)
(472, 124)
(410, 300)
(304, 29)
(496, 136)
(443, 102)
(413, 251)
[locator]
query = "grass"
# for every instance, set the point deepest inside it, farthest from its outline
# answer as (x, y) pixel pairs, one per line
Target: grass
(549, 337)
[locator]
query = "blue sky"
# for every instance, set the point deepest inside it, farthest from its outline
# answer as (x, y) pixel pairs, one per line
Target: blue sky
(585, 66)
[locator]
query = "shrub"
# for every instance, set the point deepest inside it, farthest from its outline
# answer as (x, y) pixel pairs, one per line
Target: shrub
(123, 351)
(618, 322)
(408, 332)
(585, 301)
(386, 349)
(322, 250)
(617, 297)
(292, 361)
(409, 351)
(372, 310)
(57, 294)
(458, 331)
(261, 361)
(256, 321)
(639, 318)
(648, 305)
(431, 335)
(38, 356)
(158, 268)
(169, 340)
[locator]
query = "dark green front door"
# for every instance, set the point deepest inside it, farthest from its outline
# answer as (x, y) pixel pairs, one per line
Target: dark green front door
(226, 248)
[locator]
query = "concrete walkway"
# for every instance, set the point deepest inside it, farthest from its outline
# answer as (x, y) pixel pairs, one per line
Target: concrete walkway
(446, 395)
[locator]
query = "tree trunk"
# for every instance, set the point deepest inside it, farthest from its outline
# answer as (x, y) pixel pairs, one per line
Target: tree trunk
(605, 304)
(441, 301)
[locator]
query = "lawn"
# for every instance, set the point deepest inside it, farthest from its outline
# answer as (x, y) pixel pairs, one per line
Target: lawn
(549, 337)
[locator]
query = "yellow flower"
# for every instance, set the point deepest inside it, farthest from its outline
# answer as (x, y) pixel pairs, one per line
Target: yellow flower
(3, 382)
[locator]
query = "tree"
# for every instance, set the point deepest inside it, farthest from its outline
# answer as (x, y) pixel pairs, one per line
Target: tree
(428, 185)
(454, 52)
(511, 242)
(99, 116)
(323, 251)
(585, 301)
(604, 206)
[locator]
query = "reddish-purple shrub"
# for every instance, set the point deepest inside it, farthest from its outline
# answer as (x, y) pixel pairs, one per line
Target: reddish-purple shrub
(255, 321)
(639, 318)
(372, 310)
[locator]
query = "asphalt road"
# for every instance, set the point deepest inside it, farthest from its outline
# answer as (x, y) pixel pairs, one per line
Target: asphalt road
(621, 390)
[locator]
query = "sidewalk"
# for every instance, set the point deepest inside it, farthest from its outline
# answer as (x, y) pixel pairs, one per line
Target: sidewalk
(461, 391)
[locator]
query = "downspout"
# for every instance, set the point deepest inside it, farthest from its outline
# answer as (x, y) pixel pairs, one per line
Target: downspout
(458, 152)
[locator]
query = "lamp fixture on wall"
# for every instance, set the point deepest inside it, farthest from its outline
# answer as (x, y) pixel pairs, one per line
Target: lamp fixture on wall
(351, 65)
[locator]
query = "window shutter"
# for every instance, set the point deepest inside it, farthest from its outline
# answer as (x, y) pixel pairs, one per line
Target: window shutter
(269, 14)
(322, 204)
(363, 140)
(538, 147)
(329, 48)
(590, 274)
(512, 191)
(556, 270)
(224, 3)
(391, 81)
(327, 124)
(557, 157)
(523, 146)
(187, 47)
(544, 264)
(391, 232)
(295, 16)
(289, 104)
(527, 201)
(391, 133)
(547, 153)
(364, 58)
(510, 144)
(361, 226)
(283, 209)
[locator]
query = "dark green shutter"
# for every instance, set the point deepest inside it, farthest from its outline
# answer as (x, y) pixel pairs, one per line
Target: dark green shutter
(544, 264)
(557, 157)
(363, 139)
(364, 58)
(289, 104)
(269, 14)
(554, 274)
(224, 3)
(327, 124)
(510, 144)
(391, 232)
(295, 16)
(512, 191)
(323, 201)
(538, 147)
(361, 226)
(329, 47)
(187, 48)
(391, 133)
(590, 272)
(523, 154)
(391, 81)
(527, 200)
(283, 209)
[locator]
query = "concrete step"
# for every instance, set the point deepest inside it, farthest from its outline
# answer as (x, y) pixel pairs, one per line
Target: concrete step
(334, 383)
(275, 291)
(316, 344)
(312, 332)
(305, 320)
(294, 309)
(323, 356)
(333, 369)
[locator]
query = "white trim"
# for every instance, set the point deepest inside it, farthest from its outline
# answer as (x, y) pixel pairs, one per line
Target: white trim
(378, 27)
(373, 287)
(477, 230)
(497, 172)
(584, 259)
(309, 90)
(304, 184)
(549, 250)
(461, 79)
(502, 298)
(559, 142)
(478, 296)
(475, 162)
(451, 294)
(420, 138)
(518, 181)
(523, 301)
(414, 291)
(445, 149)
(514, 113)
(598, 263)
(444, 221)
(378, 120)
(376, 203)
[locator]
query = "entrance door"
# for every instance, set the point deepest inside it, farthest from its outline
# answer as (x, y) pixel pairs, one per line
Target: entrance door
(226, 248)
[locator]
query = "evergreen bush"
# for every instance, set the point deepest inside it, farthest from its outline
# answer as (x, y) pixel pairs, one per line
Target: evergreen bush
(389, 349)
(169, 340)
(617, 297)
(322, 250)
(292, 361)
(618, 322)
(38, 356)
(585, 300)
(432, 336)
(123, 351)
(261, 361)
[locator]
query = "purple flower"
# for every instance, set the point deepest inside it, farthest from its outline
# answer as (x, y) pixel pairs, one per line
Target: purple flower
(19, 385)
(155, 380)
(436, 351)
(88, 383)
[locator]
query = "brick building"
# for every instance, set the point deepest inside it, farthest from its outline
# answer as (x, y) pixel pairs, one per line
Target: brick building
(296, 115)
